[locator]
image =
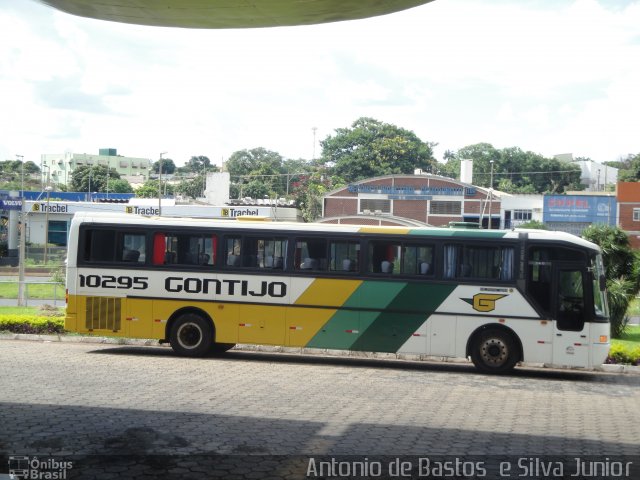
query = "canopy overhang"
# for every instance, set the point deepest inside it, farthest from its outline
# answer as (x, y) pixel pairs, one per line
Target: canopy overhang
(230, 13)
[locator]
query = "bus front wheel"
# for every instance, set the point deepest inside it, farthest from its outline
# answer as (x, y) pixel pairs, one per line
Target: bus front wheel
(191, 335)
(494, 351)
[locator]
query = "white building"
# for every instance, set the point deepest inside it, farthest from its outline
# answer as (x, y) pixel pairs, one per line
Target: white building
(50, 219)
(57, 168)
(595, 176)
(518, 209)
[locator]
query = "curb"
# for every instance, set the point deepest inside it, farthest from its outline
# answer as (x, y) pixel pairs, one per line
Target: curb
(605, 368)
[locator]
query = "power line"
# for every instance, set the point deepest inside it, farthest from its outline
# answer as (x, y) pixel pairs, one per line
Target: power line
(528, 173)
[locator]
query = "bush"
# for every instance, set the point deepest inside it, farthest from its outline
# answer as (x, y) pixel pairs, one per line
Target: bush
(31, 324)
(622, 354)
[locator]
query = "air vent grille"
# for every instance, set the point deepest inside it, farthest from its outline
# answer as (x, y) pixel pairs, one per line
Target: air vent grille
(103, 313)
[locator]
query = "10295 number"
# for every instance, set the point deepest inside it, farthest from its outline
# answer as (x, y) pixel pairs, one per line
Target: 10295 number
(111, 281)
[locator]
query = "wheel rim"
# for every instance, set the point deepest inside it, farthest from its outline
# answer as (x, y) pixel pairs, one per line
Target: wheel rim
(494, 352)
(189, 335)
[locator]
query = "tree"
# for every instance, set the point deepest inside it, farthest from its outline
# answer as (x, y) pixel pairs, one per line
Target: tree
(192, 187)
(629, 168)
(371, 148)
(119, 185)
(482, 154)
(514, 170)
(535, 224)
(150, 189)
(198, 165)
(622, 268)
(90, 178)
(168, 166)
(13, 174)
(256, 165)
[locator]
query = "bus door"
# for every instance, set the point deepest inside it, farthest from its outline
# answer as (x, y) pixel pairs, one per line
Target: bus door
(571, 335)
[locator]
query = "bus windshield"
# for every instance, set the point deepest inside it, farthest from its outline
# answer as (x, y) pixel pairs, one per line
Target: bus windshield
(599, 293)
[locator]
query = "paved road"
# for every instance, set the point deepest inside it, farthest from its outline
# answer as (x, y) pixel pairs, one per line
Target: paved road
(119, 411)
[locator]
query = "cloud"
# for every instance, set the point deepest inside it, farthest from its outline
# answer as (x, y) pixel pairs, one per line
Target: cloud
(545, 76)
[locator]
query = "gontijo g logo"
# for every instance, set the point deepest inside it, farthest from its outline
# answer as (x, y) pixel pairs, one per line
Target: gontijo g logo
(484, 302)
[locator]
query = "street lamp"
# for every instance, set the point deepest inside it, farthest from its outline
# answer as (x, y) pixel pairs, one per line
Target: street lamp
(160, 184)
(46, 224)
(89, 189)
(23, 241)
(490, 193)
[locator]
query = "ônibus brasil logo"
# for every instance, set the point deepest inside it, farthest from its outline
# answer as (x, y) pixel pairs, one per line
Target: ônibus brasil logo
(23, 468)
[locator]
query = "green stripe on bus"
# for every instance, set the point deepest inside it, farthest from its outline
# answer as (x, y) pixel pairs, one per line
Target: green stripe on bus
(390, 330)
(345, 326)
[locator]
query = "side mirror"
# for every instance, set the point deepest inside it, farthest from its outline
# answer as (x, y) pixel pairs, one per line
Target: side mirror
(603, 283)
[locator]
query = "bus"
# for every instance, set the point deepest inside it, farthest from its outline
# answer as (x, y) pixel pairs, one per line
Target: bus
(493, 296)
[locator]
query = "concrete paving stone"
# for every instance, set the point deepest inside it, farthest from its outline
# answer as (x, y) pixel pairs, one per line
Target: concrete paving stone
(80, 398)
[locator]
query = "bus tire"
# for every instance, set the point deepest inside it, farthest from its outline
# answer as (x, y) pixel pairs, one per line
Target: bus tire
(494, 351)
(191, 335)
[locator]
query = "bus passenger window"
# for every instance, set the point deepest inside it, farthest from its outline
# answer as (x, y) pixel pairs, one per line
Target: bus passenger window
(233, 248)
(384, 257)
(130, 255)
(183, 249)
(271, 253)
(344, 256)
(488, 263)
(310, 254)
(417, 259)
(132, 247)
(99, 245)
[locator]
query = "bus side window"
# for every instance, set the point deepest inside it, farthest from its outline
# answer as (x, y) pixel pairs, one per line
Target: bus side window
(272, 253)
(233, 248)
(131, 247)
(99, 245)
(310, 254)
(488, 263)
(384, 257)
(540, 277)
(417, 260)
(344, 255)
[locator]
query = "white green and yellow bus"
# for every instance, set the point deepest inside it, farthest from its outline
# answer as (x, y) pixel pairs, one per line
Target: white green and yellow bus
(496, 297)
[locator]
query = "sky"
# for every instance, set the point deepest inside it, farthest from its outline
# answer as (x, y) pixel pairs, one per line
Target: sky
(549, 76)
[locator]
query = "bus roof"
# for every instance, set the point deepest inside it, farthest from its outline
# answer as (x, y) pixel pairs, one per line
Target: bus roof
(261, 224)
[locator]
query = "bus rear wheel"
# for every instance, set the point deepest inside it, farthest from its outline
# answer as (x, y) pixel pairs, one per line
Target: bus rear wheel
(191, 335)
(494, 351)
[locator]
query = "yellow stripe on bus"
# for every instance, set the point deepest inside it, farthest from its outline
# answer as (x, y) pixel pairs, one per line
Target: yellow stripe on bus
(304, 323)
(396, 230)
(328, 292)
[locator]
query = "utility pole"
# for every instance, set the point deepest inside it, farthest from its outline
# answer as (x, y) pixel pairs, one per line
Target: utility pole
(490, 194)
(160, 184)
(314, 141)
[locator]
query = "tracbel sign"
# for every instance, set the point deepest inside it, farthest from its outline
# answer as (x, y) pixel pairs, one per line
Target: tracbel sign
(239, 212)
(579, 209)
(50, 207)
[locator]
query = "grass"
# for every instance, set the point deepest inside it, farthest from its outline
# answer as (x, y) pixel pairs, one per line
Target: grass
(634, 308)
(35, 290)
(630, 338)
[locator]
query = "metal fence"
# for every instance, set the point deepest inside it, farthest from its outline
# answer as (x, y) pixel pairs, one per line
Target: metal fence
(57, 294)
